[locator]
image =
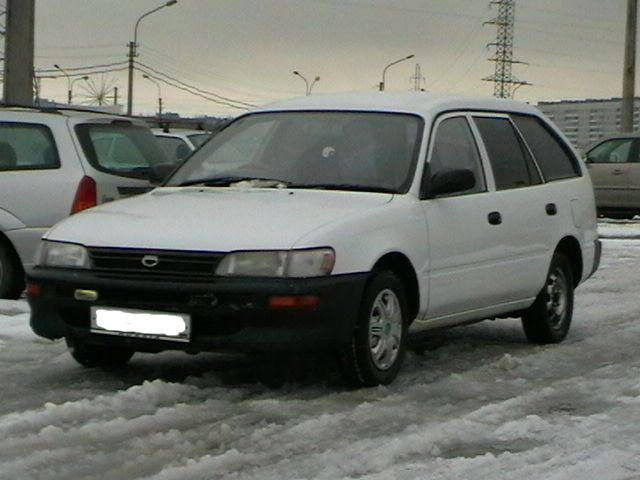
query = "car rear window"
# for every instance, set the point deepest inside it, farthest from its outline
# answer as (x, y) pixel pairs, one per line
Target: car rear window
(121, 148)
(174, 148)
(199, 138)
(27, 146)
(553, 158)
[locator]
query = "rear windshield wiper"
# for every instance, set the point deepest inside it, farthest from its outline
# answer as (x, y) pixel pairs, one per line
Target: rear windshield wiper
(344, 186)
(229, 180)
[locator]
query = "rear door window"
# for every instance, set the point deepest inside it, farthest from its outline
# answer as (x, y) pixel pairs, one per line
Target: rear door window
(25, 146)
(554, 159)
(511, 164)
(121, 149)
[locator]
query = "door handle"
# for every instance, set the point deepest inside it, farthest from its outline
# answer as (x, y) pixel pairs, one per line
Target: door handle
(617, 172)
(551, 208)
(494, 218)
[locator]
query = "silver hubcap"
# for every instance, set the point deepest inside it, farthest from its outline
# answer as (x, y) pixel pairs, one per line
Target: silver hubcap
(556, 298)
(385, 329)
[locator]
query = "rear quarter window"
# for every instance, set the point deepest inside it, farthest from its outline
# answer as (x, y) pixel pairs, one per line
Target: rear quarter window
(27, 146)
(553, 157)
(120, 149)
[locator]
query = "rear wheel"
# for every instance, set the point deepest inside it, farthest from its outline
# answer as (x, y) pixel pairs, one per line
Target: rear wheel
(377, 348)
(11, 275)
(549, 318)
(92, 356)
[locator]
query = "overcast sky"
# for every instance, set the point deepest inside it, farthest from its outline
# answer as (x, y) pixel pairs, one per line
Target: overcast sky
(246, 50)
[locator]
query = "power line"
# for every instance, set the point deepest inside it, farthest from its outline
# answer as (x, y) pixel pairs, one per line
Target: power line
(84, 68)
(199, 90)
(185, 89)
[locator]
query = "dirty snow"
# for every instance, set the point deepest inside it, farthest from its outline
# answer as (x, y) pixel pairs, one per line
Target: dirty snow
(475, 403)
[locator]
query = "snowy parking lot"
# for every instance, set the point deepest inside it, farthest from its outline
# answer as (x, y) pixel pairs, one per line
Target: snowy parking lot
(476, 402)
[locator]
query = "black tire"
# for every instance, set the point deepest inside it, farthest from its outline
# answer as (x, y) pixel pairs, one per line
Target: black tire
(97, 356)
(549, 318)
(11, 273)
(360, 365)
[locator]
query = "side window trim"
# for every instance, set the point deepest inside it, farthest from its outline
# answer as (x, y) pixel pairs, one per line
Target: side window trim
(488, 180)
(532, 158)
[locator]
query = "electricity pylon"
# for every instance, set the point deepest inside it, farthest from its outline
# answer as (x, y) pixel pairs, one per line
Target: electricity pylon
(503, 79)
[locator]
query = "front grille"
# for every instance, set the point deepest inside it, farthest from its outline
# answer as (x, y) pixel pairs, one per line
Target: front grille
(170, 264)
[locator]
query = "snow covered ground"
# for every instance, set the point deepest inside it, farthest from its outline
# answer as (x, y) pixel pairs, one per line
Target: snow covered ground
(477, 403)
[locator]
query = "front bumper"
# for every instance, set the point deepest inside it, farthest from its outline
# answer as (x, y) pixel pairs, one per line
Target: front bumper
(227, 313)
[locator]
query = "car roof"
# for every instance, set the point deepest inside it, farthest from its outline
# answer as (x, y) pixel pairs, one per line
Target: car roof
(419, 103)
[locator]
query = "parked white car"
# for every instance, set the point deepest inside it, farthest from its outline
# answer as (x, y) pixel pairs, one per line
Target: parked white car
(335, 223)
(57, 162)
(178, 143)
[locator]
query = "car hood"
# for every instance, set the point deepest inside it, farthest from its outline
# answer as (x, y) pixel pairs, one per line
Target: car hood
(214, 219)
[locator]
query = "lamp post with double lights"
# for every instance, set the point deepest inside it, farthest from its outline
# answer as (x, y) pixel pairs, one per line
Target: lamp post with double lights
(132, 51)
(384, 72)
(308, 87)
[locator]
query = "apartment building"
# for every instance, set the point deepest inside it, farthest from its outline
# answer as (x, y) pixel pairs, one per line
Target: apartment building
(586, 121)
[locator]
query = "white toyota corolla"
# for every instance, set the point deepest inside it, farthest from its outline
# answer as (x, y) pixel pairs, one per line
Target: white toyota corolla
(335, 223)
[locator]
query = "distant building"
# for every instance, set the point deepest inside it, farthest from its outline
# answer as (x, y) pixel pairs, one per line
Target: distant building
(586, 121)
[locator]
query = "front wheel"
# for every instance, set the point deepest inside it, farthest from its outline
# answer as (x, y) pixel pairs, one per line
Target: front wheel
(549, 318)
(97, 356)
(377, 348)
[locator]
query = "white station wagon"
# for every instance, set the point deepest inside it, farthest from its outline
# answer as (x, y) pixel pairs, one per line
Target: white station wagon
(338, 223)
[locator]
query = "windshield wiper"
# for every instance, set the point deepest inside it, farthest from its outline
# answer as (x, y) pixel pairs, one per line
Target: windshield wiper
(230, 180)
(343, 186)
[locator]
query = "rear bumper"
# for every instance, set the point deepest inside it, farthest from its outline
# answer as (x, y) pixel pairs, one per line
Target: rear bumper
(227, 314)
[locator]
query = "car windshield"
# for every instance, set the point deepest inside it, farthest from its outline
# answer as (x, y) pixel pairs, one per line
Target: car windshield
(330, 150)
(121, 148)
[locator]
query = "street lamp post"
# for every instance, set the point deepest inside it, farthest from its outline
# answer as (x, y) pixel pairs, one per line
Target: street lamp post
(86, 77)
(144, 75)
(308, 87)
(132, 51)
(384, 72)
(68, 82)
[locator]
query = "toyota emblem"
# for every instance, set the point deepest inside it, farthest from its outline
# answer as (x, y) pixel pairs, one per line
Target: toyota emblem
(150, 261)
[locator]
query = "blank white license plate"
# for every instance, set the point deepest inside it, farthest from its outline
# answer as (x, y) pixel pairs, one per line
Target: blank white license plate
(141, 323)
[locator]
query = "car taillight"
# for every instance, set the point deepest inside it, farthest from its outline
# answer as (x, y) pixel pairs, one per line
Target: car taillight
(86, 195)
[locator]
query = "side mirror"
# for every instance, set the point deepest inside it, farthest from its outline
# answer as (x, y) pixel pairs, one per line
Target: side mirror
(450, 181)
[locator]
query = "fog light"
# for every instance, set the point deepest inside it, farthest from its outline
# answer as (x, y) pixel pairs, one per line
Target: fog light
(294, 302)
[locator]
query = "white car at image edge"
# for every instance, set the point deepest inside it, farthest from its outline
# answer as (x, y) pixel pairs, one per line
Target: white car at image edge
(337, 223)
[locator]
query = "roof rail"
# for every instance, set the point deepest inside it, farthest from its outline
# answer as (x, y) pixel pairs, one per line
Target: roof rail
(58, 109)
(29, 107)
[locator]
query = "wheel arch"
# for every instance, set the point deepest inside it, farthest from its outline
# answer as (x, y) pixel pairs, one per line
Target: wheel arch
(403, 268)
(570, 248)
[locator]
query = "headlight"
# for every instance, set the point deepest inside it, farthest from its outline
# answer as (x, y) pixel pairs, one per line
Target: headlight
(59, 254)
(279, 263)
